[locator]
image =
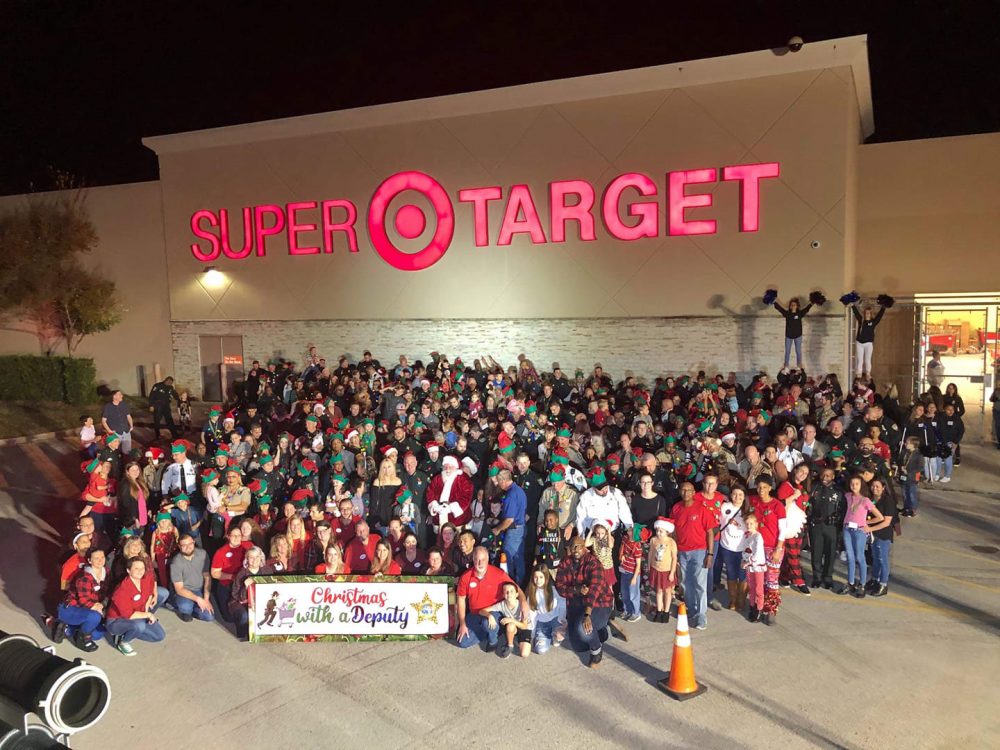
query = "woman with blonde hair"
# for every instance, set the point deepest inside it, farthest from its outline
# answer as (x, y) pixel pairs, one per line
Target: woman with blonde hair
(333, 563)
(298, 541)
(382, 495)
(278, 561)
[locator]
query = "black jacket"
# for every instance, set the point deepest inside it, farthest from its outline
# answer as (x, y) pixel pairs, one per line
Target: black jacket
(866, 328)
(793, 320)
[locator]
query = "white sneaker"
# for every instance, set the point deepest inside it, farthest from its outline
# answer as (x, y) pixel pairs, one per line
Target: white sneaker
(843, 557)
(126, 648)
(945, 479)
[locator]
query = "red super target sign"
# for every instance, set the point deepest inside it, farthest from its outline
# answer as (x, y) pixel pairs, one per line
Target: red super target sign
(628, 209)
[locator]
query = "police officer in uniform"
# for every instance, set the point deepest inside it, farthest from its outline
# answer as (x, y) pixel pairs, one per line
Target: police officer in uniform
(159, 403)
(826, 512)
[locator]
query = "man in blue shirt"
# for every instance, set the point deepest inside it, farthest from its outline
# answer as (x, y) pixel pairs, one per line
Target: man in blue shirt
(513, 516)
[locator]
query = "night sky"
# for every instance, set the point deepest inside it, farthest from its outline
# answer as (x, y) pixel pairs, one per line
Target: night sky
(81, 82)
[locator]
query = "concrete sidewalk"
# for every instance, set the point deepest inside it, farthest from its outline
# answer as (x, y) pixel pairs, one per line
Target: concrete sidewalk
(913, 669)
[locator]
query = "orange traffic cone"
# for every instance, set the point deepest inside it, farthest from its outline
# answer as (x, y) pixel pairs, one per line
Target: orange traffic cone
(679, 682)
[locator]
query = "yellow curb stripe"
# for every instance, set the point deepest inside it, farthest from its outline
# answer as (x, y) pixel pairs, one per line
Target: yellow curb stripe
(60, 482)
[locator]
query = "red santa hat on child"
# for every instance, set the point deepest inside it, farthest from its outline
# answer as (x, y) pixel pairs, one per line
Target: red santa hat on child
(664, 523)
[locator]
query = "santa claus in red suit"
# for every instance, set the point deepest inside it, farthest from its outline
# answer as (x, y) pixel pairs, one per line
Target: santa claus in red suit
(449, 496)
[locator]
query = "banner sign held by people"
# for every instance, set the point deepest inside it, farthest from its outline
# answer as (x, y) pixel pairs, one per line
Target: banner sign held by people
(350, 608)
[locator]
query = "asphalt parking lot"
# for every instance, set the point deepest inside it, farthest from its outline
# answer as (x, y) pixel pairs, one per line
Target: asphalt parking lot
(916, 668)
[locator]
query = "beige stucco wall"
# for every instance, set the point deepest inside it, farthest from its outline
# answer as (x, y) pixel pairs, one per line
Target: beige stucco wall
(130, 251)
(798, 119)
(929, 216)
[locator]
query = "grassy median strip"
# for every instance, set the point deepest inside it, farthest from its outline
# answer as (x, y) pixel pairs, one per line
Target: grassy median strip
(19, 418)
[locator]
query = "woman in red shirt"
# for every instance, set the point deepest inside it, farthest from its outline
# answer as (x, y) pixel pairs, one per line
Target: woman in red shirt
(333, 563)
(383, 564)
(795, 494)
(226, 563)
(130, 613)
(770, 513)
(298, 543)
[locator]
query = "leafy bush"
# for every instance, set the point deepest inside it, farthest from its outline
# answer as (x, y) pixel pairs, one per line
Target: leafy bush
(30, 378)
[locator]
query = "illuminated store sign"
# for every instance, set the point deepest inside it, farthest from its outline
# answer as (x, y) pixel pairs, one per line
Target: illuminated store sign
(628, 210)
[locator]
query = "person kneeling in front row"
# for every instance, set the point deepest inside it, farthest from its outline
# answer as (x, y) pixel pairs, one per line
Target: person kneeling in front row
(130, 613)
(80, 614)
(479, 593)
(189, 575)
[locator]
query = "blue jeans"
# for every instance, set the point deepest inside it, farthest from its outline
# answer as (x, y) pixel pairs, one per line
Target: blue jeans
(186, 606)
(694, 577)
(630, 593)
(513, 545)
(223, 591)
(854, 545)
(544, 635)
(82, 619)
(932, 468)
(129, 630)
(731, 562)
(948, 464)
(911, 495)
(798, 350)
(480, 631)
(880, 560)
(599, 618)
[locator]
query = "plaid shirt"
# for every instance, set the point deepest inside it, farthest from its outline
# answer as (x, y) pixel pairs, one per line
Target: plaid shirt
(586, 571)
(84, 591)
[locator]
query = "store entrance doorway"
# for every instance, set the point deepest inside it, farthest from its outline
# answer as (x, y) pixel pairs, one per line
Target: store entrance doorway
(963, 328)
(221, 359)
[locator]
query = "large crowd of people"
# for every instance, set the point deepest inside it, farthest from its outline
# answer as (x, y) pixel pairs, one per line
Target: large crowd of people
(566, 504)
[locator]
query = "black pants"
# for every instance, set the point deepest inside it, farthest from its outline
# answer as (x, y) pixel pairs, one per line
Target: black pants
(163, 414)
(824, 551)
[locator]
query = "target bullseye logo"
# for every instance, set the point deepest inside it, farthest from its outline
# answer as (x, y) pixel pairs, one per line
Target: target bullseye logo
(410, 221)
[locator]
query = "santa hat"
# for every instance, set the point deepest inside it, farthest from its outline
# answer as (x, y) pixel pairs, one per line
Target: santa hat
(664, 523)
(450, 461)
(154, 453)
(352, 434)
(469, 465)
(432, 445)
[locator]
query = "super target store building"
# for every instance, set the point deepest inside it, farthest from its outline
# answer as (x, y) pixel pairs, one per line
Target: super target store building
(633, 218)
